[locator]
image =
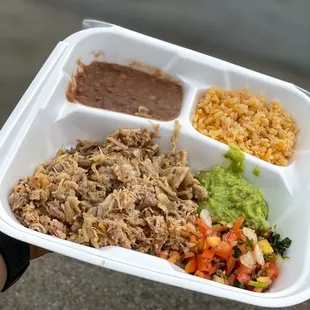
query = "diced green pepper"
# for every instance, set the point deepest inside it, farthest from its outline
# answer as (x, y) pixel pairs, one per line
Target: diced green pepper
(257, 284)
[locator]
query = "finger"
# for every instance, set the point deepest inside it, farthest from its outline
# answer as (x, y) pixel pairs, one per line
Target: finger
(36, 252)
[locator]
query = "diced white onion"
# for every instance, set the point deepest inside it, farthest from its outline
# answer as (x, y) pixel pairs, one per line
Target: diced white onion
(278, 260)
(259, 255)
(250, 234)
(230, 225)
(218, 279)
(205, 216)
(248, 260)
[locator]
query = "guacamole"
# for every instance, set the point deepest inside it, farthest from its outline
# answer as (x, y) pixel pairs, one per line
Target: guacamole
(256, 171)
(230, 196)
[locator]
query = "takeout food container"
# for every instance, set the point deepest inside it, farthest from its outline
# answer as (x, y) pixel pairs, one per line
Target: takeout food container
(45, 121)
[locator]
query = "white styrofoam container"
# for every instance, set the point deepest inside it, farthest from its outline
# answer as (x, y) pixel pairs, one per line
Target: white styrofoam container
(44, 121)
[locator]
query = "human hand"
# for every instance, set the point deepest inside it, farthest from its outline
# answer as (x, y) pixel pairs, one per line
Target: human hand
(36, 252)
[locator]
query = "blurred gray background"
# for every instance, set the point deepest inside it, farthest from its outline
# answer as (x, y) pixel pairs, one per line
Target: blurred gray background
(268, 36)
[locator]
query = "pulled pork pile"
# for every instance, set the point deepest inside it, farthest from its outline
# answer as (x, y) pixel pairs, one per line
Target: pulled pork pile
(123, 192)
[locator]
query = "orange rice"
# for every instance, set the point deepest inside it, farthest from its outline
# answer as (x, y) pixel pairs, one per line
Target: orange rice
(240, 118)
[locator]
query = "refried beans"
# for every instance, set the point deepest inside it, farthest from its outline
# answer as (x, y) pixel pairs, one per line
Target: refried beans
(127, 90)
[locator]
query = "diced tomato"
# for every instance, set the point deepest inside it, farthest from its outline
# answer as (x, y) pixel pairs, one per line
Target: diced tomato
(191, 266)
(193, 238)
(242, 270)
(189, 255)
(272, 271)
(231, 280)
(213, 241)
(230, 237)
(230, 264)
(236, 228)
(223, 250)
(206, 244)
(214, 269)
(245, 269)
(202, 226)
(244, 278)
(201, 265)
(200, 244)
(207, 254)
(208, 265)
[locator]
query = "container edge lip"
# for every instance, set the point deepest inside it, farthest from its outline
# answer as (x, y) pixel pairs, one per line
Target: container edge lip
(272, 302)
(304, 91)
(94, 23)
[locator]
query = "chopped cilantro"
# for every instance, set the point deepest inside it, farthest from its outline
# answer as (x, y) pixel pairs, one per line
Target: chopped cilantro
(237, 252)
(222, 275)
(269, 257)
(249, 245)
(238, 284)
(277, 245)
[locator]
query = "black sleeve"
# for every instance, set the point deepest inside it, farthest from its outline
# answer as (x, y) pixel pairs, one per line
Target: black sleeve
(16, 257)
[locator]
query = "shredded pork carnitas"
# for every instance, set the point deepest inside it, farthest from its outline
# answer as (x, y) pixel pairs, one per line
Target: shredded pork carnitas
(123, 192)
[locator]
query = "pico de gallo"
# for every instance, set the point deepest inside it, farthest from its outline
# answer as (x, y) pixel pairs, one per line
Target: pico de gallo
(231, 254)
